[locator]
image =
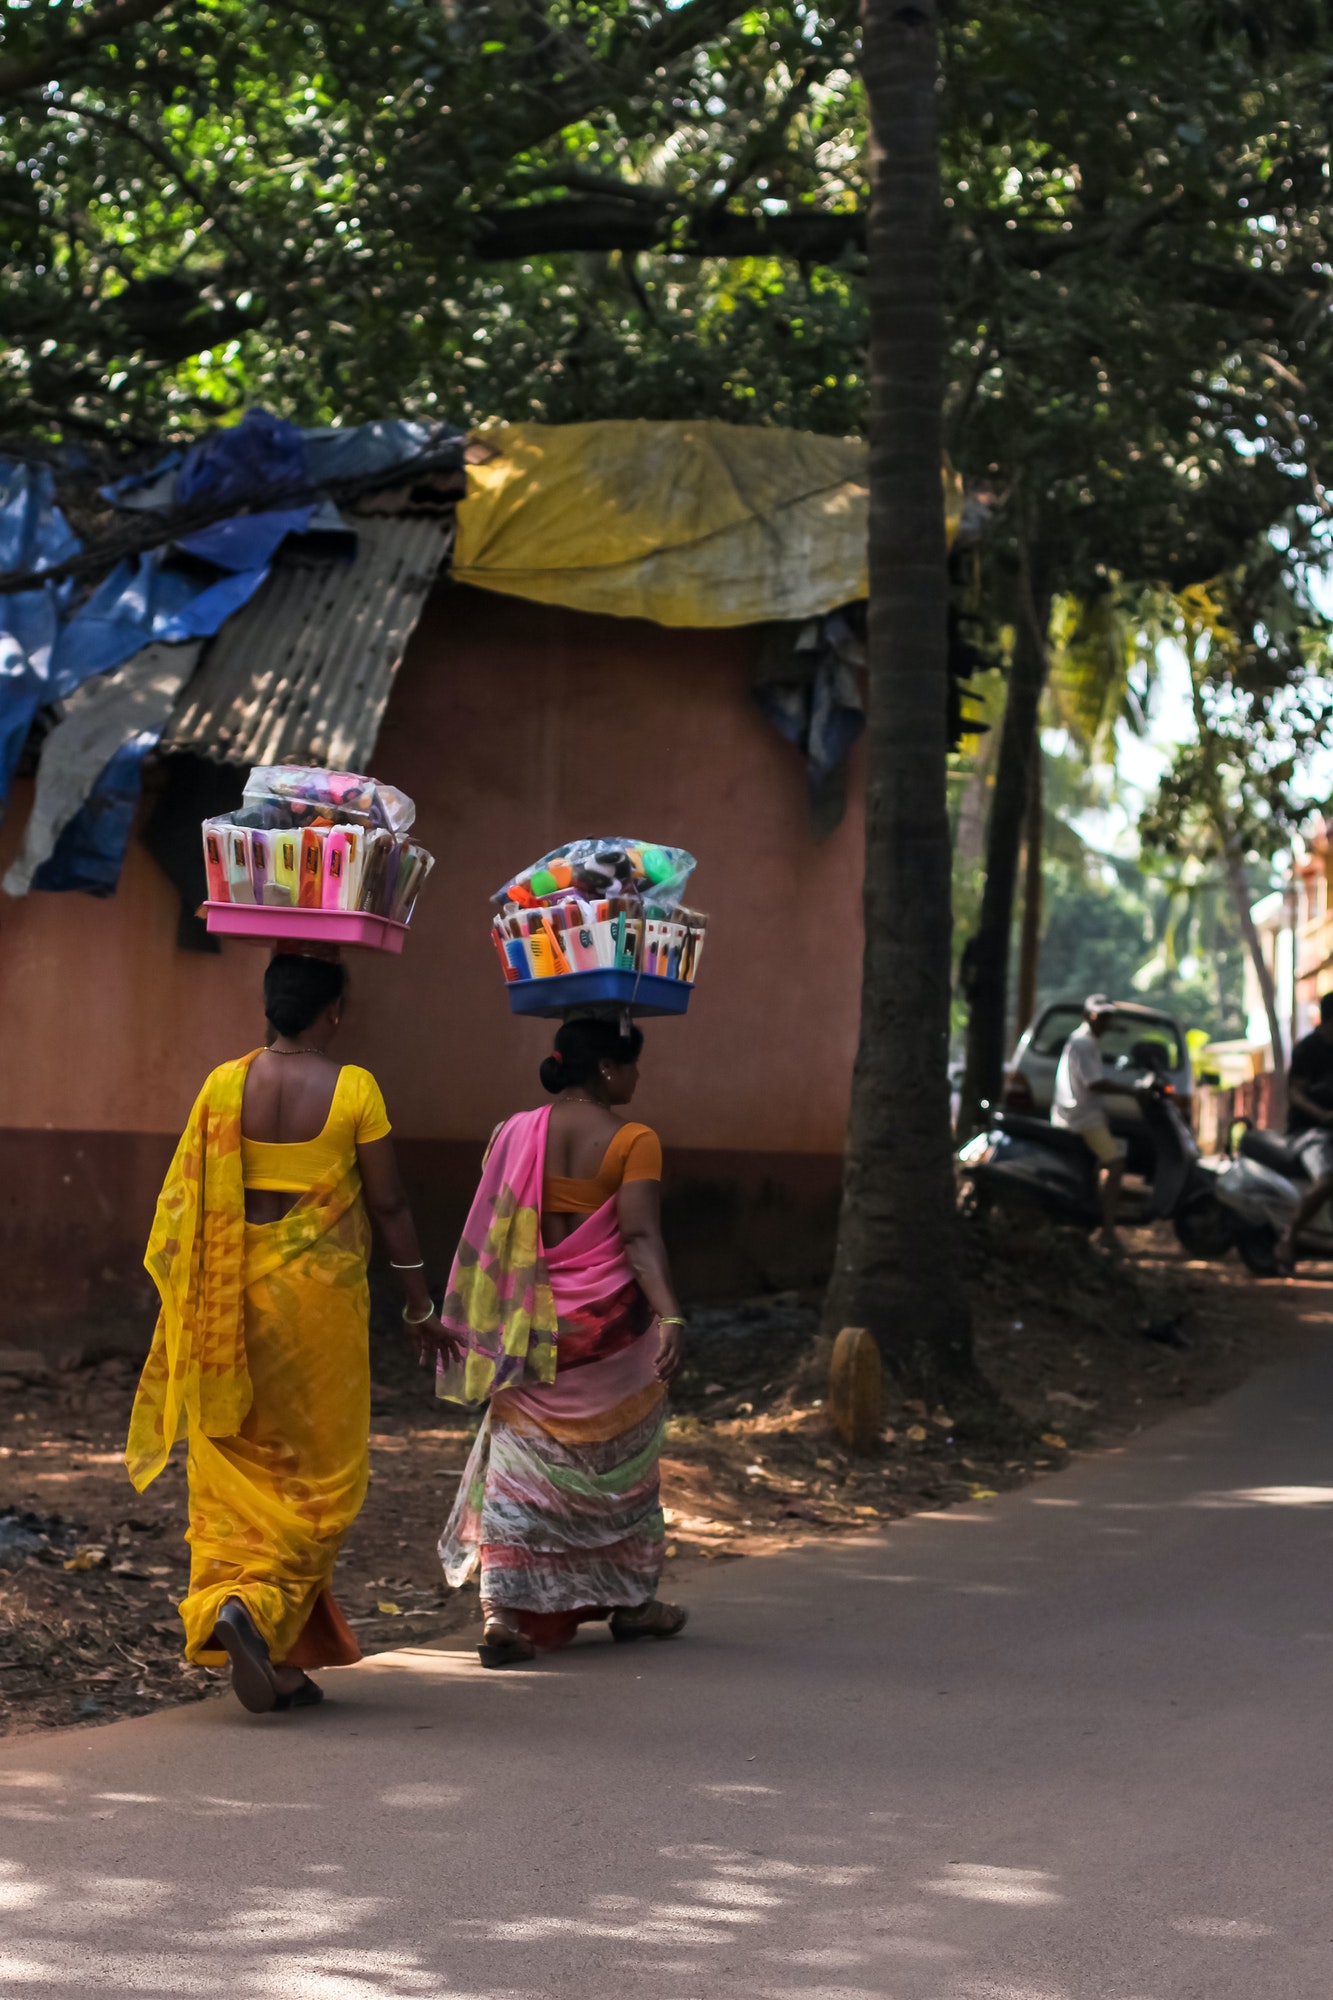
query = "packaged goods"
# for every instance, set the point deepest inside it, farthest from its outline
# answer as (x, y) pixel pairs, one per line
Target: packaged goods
(316, 852)
(598, 923)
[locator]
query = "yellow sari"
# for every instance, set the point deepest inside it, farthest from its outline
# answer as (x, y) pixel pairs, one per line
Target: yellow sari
(261, 1357)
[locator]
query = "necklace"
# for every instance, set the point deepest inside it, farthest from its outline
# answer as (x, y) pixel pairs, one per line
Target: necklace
(270, 1051)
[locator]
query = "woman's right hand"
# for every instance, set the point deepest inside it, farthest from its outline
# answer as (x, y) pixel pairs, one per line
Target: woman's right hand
(670, 1351)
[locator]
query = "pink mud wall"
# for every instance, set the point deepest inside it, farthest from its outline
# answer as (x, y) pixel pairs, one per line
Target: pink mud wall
(514, 727)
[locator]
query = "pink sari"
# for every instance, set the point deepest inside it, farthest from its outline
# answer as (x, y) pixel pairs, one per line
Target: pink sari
(559, 1503)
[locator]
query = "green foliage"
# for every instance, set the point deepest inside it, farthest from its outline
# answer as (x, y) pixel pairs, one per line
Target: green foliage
(549, 208)
(1261, 707)
(341, 210)
(1102, 666)
(1146, 372)
(1105, 934)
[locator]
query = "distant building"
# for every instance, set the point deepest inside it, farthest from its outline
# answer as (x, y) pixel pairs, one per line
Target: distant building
(1314, 922)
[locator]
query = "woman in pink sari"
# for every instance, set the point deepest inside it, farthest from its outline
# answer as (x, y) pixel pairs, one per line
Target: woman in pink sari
(562, 1294)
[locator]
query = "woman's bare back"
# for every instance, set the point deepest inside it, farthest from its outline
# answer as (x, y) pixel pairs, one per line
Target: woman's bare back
(287, 1101)
(288, 1098)
(577, 1138)
(576, 1142)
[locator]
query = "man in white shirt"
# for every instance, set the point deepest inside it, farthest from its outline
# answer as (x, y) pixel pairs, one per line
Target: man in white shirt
(1081, 1084)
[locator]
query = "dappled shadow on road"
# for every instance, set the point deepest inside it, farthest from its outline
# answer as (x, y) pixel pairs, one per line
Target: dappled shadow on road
(807, 1902)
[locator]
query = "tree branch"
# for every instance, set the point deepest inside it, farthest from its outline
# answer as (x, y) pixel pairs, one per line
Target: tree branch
(817, 236)
(25, 72)
(675, 33)
(607, 185)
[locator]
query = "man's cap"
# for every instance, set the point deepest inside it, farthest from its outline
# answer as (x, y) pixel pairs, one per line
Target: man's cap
(1098, 1003)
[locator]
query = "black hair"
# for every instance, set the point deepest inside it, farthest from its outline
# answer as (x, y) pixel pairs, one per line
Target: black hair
(297, 990)
(1326, 1008)
(581, 1047)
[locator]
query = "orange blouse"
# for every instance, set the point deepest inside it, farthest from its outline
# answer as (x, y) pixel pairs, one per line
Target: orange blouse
(635, 1154)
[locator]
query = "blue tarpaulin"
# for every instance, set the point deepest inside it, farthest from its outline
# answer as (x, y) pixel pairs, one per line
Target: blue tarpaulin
(366, 449)
(185, 590)
(91, 851)
(34, 534)
(262, 453)
(233, 466)
(154, 597)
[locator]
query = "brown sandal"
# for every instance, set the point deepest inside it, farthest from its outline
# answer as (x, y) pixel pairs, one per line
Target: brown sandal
(653, 1620)
(503, 1645)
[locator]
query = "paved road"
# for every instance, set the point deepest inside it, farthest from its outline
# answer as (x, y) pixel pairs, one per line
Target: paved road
(1074, 1745)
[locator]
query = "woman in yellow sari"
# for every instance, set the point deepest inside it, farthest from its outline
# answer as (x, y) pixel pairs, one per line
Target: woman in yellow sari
(260, 1356)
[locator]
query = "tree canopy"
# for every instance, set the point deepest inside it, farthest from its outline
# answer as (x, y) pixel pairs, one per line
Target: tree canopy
(548, 208)
(340, 209)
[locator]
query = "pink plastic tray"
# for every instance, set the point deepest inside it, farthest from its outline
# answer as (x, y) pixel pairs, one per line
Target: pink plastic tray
(266, 925)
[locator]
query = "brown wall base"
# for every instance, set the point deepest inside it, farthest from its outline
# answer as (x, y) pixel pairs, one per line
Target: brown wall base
(75, 1209)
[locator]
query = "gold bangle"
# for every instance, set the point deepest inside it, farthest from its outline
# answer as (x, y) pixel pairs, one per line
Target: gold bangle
(674, 1319)
(409, 1321)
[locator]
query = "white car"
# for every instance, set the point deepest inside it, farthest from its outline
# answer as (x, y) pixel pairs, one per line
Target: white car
(1139, 1039)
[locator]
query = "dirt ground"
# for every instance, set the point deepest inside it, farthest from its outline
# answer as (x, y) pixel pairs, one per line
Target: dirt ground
(1082, 1352)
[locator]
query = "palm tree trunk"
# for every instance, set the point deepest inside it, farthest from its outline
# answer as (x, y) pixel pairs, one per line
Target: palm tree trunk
(986, 959)
(1029, 937)
(897, 1265)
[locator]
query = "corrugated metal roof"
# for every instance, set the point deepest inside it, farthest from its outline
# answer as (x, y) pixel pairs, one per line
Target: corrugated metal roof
(302, 675)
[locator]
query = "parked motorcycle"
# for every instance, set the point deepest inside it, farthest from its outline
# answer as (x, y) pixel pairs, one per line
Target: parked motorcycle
(1030, 1164)
(1260, 1191)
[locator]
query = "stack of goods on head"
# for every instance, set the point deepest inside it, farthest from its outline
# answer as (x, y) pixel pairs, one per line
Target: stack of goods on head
(600, 922)
(320, 856)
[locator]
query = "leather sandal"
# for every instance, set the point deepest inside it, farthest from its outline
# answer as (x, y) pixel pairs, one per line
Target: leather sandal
(253, 1681)
(503, 1645)
(653, 1620)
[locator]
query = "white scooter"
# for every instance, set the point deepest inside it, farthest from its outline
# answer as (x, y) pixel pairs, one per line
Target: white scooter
(1261, 1190)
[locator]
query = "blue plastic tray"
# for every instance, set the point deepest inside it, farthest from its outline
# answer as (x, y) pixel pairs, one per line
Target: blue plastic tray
(642, 992)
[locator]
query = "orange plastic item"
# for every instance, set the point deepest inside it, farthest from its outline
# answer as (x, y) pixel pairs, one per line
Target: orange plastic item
(310, 893)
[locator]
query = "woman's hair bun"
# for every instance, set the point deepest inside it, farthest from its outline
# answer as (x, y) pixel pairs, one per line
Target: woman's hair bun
(581, 1047)
(552, 1075)
(297, 990)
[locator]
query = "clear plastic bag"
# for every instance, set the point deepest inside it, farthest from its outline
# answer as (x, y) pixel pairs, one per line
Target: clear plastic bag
(307, 794)
(599, 868)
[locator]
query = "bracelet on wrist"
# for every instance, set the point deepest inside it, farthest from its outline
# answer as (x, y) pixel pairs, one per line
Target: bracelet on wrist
(421, 1318)
(672, 1319)
(420, 1265)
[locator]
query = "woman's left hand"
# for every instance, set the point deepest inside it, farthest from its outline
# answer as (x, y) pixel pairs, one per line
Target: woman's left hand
(671, 1352)
(432, 1339)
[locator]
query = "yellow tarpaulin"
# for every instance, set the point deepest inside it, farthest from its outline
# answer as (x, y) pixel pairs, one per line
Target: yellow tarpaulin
(683, 523)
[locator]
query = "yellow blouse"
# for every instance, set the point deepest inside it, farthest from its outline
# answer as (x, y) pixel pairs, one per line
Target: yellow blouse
(356, 1116)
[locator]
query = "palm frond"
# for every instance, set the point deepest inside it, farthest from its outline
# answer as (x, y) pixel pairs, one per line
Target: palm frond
(1096, 644)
